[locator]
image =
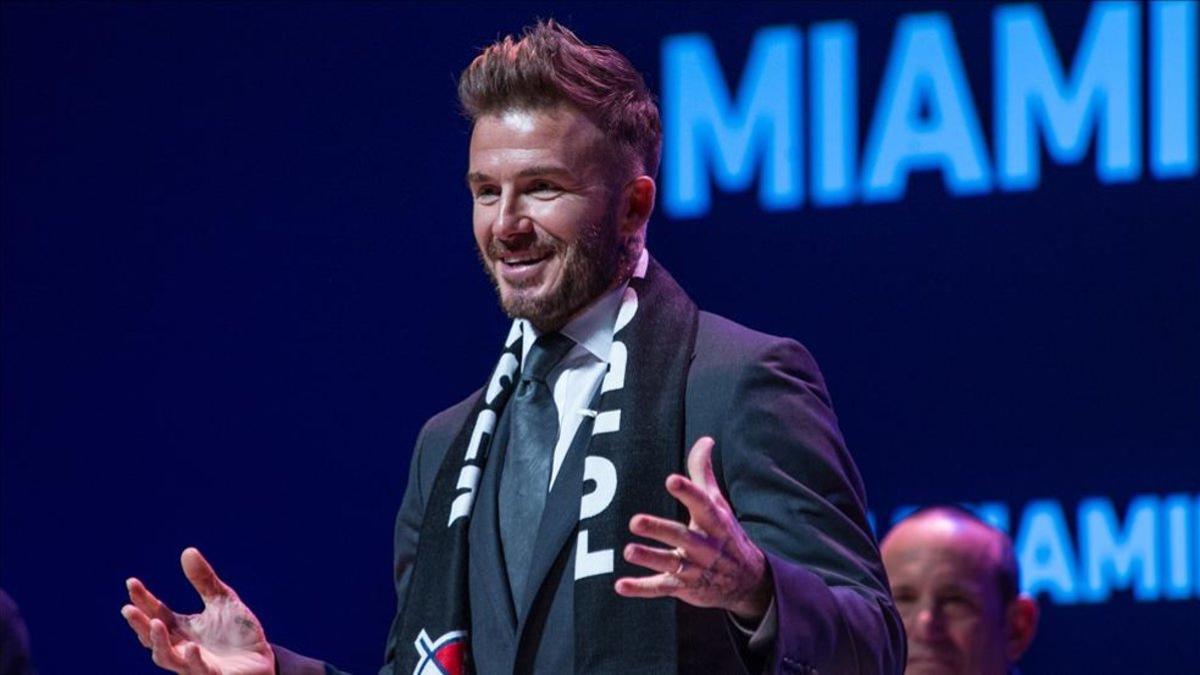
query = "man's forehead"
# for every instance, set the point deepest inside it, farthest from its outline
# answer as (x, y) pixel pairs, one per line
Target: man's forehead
(938, 537)
(518, 139)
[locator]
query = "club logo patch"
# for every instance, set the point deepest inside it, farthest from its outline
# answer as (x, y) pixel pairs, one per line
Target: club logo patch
(446, 655)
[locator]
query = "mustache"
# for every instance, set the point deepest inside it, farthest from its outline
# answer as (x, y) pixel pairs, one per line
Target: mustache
(536, 247)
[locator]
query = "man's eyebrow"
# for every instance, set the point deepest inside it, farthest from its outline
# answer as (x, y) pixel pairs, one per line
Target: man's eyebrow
(959, 587)
(544, 170)
(537, 170)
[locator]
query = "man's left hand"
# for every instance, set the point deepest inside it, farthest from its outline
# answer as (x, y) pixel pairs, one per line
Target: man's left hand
(711, 562)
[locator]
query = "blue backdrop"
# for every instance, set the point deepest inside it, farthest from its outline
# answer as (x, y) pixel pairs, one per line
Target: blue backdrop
(238, 275)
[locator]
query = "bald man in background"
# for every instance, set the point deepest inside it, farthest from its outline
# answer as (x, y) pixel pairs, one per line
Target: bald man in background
(955, 582)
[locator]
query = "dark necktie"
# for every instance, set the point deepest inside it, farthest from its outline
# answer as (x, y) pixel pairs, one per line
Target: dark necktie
(525, 480)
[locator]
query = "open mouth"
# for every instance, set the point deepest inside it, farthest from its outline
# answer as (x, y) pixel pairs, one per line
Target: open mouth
(521, 262)
(523, 269)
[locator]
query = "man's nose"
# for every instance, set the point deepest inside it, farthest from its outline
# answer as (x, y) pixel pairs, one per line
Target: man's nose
(510, 218)
(930, 625)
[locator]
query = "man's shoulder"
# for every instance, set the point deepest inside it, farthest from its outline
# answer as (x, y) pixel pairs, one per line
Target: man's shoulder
(721, 342)
(439, 431)
(718, 331)
(729, 355)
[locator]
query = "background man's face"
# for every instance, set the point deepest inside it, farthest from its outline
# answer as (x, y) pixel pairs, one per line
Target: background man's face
(544, 212)
(942, 573)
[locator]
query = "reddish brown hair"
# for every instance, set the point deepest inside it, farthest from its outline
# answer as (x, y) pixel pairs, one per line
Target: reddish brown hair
(550, 66)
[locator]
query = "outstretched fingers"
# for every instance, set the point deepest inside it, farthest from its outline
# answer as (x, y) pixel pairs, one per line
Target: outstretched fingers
(144, 600)
(704, 511)
(668, 532)
(204, 579)
(656, 559)
(699, 463)
(139, 622)
(657, 586)
(165, 654)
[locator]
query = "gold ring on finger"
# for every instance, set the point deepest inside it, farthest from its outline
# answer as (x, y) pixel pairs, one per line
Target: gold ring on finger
(682, 562)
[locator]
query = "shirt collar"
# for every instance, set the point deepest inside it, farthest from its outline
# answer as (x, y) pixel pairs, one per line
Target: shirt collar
(592, 329)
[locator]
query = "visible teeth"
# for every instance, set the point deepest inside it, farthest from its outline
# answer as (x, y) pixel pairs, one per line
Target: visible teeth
(521, 261)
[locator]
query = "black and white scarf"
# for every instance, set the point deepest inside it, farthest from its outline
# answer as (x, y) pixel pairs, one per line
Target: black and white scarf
(637, 440)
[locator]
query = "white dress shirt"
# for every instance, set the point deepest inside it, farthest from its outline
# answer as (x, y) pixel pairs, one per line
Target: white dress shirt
(575, 379)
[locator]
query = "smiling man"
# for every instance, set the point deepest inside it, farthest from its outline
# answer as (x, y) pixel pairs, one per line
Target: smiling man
(546, 167)
(639, 486)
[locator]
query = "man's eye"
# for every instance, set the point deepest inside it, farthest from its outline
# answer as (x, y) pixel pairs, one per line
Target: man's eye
(544, 187)
(486, 193)
(958, 603)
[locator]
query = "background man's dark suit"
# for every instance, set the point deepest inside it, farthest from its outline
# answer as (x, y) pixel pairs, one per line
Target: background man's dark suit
(783, 465)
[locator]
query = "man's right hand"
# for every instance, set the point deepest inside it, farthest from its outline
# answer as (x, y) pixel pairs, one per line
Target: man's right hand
(224, 639)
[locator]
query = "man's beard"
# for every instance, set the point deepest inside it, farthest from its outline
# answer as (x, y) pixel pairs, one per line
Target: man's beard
(588, 267)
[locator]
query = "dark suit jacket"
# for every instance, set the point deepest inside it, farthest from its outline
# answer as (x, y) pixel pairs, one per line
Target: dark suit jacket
(784, 468)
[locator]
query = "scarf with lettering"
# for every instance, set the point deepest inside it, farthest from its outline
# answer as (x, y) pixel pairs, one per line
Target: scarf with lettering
(636, 442)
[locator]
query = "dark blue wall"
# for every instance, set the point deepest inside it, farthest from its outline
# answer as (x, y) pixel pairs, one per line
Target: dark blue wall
(238, 275)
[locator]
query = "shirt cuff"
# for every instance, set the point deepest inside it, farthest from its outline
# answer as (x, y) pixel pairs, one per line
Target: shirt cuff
(761, 636)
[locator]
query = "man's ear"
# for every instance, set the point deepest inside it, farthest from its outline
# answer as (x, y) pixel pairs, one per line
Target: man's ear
(1022, 621)
(637, 203)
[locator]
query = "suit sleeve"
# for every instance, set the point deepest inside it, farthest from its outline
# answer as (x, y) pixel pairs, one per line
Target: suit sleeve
(799, 496)
(407, 529)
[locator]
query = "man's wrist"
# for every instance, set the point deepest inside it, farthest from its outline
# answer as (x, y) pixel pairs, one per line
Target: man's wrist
(753, 608)
(759, 636)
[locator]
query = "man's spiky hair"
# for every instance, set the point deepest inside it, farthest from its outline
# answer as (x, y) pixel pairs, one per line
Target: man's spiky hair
(549, 66)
